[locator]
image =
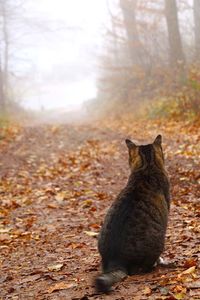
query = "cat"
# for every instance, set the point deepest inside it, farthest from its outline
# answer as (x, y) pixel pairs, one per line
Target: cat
(132, 236)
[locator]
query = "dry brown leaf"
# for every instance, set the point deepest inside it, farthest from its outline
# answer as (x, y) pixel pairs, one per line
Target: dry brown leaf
(4, 237)
(52, 205)
(60, 196)
(4, 230)
(91, 233)
(60, 286)
(75, 245)
(190, 270)
(95, 226)
(54, 129)
(29, 278)
(56, 267)
(147, 290)
(87, 203)
(190, 263)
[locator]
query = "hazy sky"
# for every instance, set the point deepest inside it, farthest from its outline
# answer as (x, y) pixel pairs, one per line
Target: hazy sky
(76, 46)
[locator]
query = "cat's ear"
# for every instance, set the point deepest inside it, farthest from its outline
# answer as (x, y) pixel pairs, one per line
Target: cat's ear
(158, 140)
(130, 144)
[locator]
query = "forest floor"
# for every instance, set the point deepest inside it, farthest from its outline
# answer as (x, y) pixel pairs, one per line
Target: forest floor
(57, 182)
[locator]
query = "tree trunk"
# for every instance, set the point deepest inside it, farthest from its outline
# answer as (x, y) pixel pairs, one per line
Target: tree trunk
(128, 8)
(6, 51)
(2, 96)
(4, 57)
(176, 55)
(197, 29)
(115, 50)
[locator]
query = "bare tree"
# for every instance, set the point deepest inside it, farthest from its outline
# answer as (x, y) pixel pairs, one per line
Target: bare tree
(9, 18)
(176, 54)
(197, 28)
(3, 54)
(128, 8)
(2, 97)
(16, 27)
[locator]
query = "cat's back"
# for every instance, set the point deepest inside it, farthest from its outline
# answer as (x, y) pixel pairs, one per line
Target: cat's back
(137, 216)
(133, 233)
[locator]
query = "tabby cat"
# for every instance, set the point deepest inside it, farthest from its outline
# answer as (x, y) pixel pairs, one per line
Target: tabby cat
(133, 234)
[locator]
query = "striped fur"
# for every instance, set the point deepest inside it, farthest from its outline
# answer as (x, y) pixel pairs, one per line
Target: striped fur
(133, 233)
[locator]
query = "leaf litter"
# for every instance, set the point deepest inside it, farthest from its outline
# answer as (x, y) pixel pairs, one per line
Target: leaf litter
(56, 185)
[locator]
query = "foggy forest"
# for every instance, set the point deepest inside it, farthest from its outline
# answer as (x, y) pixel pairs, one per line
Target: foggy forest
(99, 106)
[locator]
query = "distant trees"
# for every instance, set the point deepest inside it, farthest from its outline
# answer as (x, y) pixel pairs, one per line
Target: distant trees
(11, 14)
(196, 10)
(2, 96)
(4, 48)
(176, 54)
(21, 27)
(128, 8)
(154, 42)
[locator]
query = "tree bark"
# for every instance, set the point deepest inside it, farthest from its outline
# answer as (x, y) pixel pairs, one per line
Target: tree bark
(2, 96)
(115, 50)
(6, 51)
(128, 8)
(176, 55)
(196, 9)
(4, 56)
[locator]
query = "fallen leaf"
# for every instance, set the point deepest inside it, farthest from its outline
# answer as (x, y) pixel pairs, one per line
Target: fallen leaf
(189, 271)
(190, 263)
(179, 296)
(95, 226)
(60, 286)
(30, 278)
(4, 237)
(147, 291)
(87, 203)
(4, 230)
(54, 129)
(52, 205)
(91, 233)
(56, 267)
(60, 196)
(75, 245)
(193, 285)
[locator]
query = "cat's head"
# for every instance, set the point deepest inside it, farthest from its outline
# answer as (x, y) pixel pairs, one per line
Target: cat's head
(142, 156)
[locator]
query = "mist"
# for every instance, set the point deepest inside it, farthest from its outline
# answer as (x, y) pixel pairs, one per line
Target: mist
(52, 52)
(102, 56)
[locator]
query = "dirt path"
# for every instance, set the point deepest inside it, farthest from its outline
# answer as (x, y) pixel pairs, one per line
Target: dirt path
(56, 185)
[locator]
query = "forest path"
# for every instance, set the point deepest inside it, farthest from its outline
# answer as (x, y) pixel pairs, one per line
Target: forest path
(57, 181)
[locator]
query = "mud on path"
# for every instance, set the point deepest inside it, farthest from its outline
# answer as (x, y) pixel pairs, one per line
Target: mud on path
(56, 185)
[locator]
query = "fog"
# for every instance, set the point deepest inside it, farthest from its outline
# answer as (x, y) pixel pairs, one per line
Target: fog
(106, 56)
(58, 52)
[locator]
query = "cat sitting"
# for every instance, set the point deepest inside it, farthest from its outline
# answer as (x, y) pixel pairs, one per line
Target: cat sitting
(132, 236)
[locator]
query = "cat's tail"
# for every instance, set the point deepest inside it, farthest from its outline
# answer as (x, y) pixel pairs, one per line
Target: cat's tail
(104, 281)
